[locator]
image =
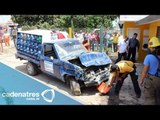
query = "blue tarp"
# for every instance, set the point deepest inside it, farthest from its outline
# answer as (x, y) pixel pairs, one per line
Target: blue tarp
(19, 89)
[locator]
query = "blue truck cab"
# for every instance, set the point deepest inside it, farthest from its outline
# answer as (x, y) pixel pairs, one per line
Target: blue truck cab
(65, 59)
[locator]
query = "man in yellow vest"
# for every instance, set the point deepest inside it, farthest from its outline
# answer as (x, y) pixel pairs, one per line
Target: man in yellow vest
(115, 41)
(119, 72)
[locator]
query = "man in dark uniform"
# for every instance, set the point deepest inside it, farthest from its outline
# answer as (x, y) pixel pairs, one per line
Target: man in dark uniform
(132, 45)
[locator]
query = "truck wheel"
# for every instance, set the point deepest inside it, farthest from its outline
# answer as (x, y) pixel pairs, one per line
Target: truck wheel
(75, 87)
(31, 69)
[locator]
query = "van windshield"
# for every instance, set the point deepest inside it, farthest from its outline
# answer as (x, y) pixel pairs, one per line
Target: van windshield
(69, 49)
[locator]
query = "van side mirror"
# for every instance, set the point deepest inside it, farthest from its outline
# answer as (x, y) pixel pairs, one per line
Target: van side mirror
(51, 57)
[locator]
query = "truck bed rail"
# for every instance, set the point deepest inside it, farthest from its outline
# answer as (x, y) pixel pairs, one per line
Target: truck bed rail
(27, 57)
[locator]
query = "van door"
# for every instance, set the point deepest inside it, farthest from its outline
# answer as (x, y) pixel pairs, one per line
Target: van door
(49, 62)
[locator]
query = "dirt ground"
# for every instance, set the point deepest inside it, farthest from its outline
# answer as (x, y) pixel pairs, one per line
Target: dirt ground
(90, 96)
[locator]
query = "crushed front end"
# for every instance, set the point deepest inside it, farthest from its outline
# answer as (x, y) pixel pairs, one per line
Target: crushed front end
(92, 68)
(94, 75)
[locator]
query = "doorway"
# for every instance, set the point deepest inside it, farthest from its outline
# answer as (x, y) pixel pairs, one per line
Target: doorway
(130, 32)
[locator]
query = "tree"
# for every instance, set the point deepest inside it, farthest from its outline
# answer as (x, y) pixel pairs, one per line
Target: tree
(64, 21)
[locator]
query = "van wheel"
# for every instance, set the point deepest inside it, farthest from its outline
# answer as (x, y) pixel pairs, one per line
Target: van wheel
(32, 69)
(75, 87)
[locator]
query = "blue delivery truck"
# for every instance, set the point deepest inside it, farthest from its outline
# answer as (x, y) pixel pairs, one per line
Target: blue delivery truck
(65, 59)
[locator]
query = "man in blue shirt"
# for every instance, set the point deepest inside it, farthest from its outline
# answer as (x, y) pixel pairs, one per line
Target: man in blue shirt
(150, 76)
(132, 45)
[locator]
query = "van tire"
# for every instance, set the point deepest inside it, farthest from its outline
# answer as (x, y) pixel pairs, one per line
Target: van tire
(75, 87)
(32, 69)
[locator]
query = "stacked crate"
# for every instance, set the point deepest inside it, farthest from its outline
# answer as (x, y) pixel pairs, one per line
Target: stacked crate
(29, 44)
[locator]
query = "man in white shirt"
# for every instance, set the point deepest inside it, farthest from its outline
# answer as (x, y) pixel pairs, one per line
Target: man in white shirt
(122, 48)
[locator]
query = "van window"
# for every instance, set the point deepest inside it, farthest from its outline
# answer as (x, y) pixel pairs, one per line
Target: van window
(49, 51)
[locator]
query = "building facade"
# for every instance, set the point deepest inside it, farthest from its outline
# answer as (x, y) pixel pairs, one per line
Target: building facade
(146, 26)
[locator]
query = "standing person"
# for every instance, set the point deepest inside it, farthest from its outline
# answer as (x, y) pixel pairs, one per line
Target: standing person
(145, 46)
(93, 41)
(122, 49)
(150, 77)
(119, 72)
(14, 35)
(6, 39)
(1, 38)
(97, 42)
(81, 36)
(132, 45)
(109, 43)
(86, 43)
(115, 41)
(105, 36)
(1, 42)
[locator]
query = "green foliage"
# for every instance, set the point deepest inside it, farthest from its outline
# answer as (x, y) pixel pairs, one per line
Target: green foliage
(64, 21)
(32, 27)
(44, 25)
(25, 27)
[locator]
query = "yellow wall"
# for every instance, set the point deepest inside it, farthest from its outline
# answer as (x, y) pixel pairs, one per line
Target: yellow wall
(141, 53)
(153, 28)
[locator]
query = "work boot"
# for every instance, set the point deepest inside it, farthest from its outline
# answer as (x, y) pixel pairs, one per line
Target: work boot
(138, 95)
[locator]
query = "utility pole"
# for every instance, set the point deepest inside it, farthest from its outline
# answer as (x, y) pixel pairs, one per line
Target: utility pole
(101, 39)
(72, 26)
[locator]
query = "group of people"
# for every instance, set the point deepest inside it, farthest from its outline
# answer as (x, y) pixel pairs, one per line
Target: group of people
(124, 46)
(127, 48)
(92, 40)
(5, 36)
(150, 77)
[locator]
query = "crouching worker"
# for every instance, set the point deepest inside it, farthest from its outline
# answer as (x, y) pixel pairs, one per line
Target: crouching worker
(119, 72)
